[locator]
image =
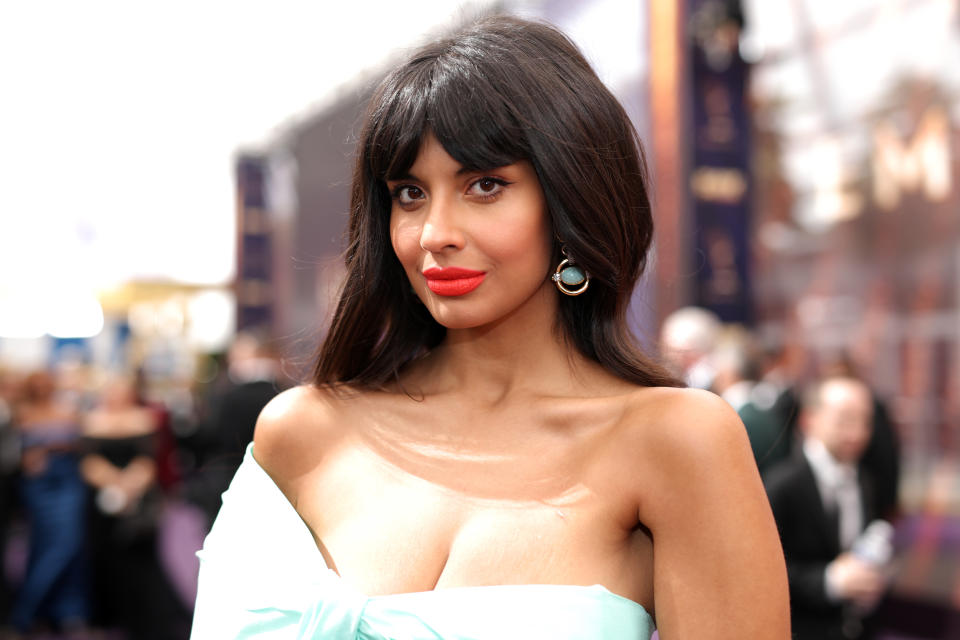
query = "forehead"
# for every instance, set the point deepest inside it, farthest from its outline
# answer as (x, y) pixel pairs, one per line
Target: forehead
(844, 394)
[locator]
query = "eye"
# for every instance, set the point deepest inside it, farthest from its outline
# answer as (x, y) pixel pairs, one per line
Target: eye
(406, 194)
(487, 187)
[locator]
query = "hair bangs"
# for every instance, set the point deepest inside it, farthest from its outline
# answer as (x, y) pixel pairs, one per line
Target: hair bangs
(472, 119)
(397, 125)
(451, 98)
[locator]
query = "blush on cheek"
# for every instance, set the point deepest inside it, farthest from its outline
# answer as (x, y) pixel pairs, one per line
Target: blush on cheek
(515, 239)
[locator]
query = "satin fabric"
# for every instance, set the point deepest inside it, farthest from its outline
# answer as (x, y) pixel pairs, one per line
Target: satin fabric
(262, 576)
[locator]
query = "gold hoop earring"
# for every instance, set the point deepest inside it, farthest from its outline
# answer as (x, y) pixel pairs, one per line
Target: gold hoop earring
(569, 274)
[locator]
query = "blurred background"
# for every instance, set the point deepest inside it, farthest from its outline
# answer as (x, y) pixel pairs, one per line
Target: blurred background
(175, 182)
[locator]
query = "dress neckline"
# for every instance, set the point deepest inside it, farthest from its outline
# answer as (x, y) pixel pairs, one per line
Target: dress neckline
(594, 589)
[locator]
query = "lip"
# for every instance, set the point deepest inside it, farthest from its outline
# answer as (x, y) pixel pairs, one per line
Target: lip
(453, 281)
(450, 273)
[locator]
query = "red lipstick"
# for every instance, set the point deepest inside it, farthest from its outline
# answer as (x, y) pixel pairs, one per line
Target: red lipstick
(453, 281)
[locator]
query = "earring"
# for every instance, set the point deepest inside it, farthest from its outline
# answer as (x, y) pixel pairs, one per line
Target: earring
(570, 274)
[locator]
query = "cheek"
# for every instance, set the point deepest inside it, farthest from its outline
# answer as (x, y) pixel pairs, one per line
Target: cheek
(525, 241)
(862, 435)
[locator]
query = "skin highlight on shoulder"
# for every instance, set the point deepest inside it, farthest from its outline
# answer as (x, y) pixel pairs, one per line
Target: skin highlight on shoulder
(686, 419)
(295, 429)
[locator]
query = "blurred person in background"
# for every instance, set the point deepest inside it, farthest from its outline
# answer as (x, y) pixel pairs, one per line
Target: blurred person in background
(734, 366)
(484, 447)
(736, 363)
(253, 370)
(55, 587)
(9, 466)
(836, 550)
(131, 592)
(778, 384)
(688, 337)
(882, 456)
(168, 467)
(252, 380)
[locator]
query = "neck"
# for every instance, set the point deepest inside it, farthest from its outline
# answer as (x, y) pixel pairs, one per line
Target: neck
(521, 354)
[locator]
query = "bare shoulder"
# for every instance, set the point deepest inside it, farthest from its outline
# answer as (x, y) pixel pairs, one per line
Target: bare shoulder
(684, 426)
(294, 429)
(672, 438)
(695, 458)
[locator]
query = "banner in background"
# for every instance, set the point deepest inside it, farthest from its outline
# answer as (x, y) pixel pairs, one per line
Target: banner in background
(719, 180)
(254, 247)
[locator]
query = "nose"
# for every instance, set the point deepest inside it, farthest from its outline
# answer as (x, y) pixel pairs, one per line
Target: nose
(441, 229)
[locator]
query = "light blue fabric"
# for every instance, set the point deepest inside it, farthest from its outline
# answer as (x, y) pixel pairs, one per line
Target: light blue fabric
(262, 576)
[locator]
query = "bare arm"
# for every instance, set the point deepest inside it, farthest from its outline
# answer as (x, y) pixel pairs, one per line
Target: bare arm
(719, 570)
(98, 472)
(133, 479)
(138, 476)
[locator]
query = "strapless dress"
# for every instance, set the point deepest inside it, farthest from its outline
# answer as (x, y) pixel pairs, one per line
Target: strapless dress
(262, 576)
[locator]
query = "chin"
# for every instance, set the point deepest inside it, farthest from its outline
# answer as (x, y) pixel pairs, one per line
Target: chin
(459, 320)
(479, 308)
(850, 456)
(462, 313)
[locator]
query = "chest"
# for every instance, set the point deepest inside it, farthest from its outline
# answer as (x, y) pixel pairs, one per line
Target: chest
(121, 423)
(421, 521)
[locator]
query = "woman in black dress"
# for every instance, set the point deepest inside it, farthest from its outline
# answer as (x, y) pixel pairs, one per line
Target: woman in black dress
(131, 591)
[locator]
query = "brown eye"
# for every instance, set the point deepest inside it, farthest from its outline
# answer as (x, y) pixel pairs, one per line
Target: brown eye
(408, 194)
(487, 187)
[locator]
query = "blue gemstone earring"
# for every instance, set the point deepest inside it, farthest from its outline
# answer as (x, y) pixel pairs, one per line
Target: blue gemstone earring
(568, 274)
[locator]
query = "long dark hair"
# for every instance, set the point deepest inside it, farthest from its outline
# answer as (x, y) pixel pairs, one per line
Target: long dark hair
(498, 92)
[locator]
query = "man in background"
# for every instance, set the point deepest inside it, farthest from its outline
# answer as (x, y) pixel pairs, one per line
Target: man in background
(687, 340)
(253, 379)
(823, 505)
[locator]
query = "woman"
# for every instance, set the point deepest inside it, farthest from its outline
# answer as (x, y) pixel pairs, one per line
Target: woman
(484, 452)
(55, 585)
(130, 591)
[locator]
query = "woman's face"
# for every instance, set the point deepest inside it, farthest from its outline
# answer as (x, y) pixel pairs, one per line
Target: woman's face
(118, 393)
(474, 244)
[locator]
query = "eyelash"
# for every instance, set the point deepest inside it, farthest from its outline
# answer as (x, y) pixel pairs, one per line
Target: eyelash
(400, 188)
(489, 196)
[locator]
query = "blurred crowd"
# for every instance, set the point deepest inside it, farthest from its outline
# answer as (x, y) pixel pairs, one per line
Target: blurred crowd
(829, 457)
(108, 487)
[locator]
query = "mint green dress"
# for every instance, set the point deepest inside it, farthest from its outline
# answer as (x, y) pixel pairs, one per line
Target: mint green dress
(262, 576)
